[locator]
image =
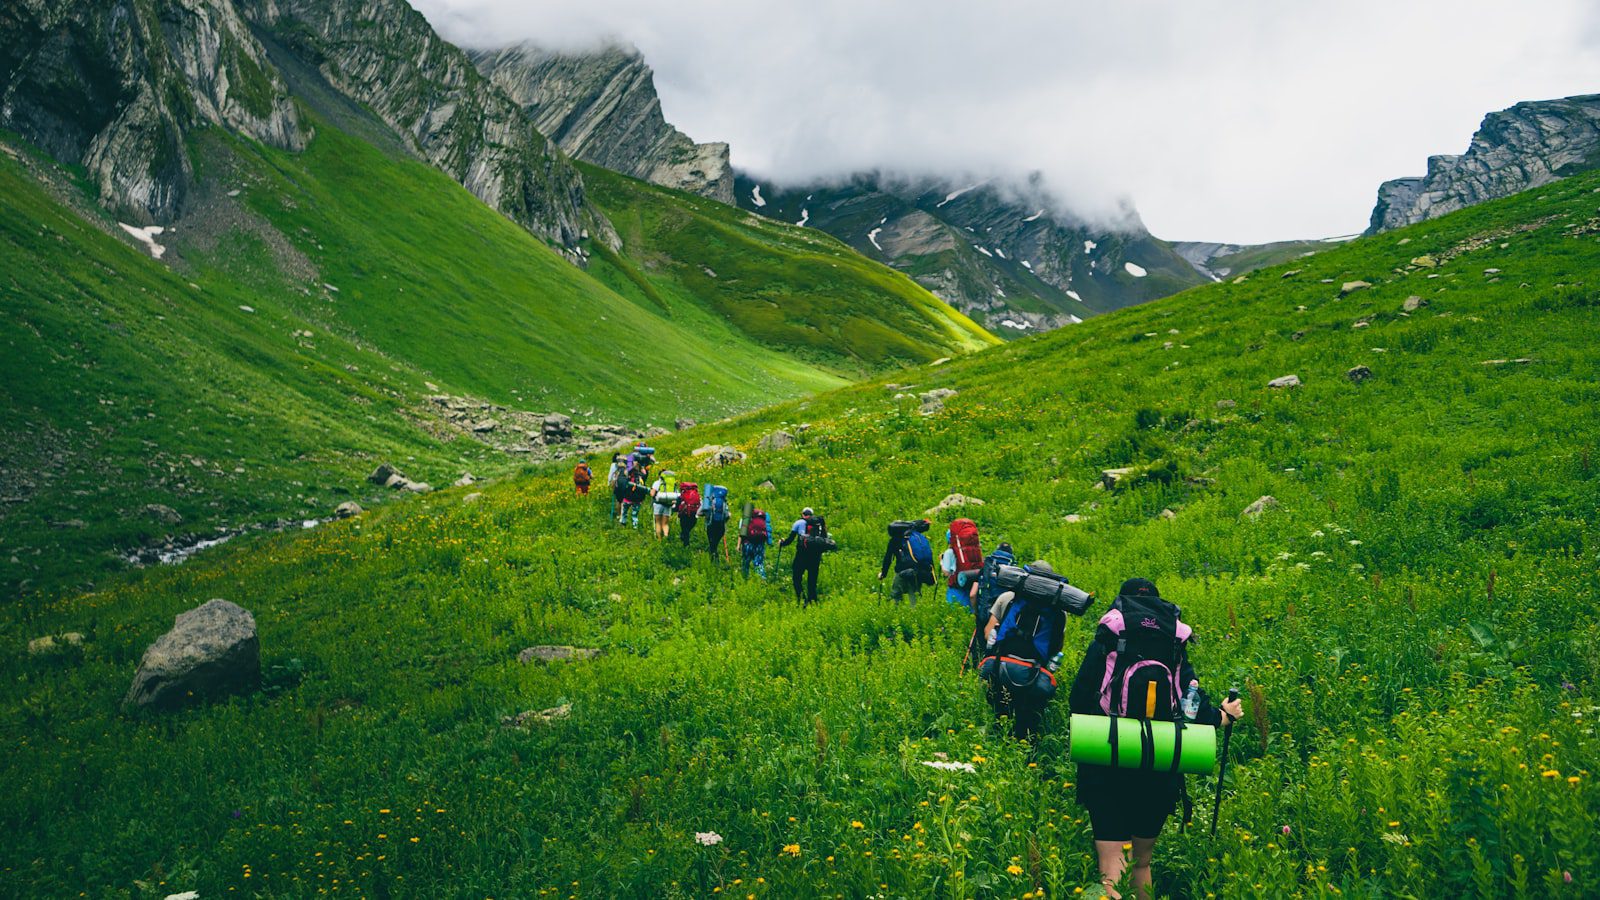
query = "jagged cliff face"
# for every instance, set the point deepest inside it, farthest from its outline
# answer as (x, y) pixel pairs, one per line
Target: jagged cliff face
(602, 107)
(1528, 145)
(383, 54)
(1001, 254)
(115, 86)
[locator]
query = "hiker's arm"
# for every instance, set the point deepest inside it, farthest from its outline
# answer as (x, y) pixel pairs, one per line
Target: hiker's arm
(1085, 696)
(1209, 713)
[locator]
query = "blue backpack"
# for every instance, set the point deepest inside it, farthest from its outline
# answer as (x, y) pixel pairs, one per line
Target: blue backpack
(1026, 630)
(989, 581)
(716, 504)
(922, 555)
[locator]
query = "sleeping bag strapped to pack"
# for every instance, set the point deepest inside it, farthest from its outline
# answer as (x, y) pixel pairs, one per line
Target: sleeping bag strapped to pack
(756, 529)
(688, 498)
(968, 553)
(1022, 678)
(1043, 588)
(715, 506)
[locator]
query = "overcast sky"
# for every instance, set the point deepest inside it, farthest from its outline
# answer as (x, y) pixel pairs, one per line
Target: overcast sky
(1245, 121)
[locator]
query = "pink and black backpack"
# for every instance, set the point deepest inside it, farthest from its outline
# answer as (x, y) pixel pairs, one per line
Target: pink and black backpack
(1147, 646)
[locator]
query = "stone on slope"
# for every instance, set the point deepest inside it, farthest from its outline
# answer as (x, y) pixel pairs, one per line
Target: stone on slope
(1266, 502)
(1226, 404)
(1286, 381)
(556, 428)
(681, 424)
(163, 513)
(211, 651)
(705, 450)
(727, 456)
(1110, 478)
(933, 401)
(1413, 303)
(953, 501)
(55, 644)
(467, 479)
(536, 716)
(547, 653)
(1350, 287)
(778, 440)
(347, 509)
(1358, 374)
(383, 473)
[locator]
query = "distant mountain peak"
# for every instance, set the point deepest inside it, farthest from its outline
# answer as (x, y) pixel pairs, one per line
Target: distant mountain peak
(601, 106)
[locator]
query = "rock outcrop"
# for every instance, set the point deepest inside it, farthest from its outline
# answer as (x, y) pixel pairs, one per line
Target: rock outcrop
(602, 107)
(385, 56)
(116, 86)
(1529, 145)
(211, 651)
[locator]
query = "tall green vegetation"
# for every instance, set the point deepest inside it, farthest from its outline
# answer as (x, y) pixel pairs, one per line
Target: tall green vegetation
(1413, 624)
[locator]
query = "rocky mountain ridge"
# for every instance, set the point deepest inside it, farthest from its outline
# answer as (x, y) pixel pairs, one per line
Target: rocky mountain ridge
(1526, 146)
(116, 87)
(1002, 253)
(602, 107)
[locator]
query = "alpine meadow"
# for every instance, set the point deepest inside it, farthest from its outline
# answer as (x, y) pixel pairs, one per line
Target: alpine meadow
(343, 379)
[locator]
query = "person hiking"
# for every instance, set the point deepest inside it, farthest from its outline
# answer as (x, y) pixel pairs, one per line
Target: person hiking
(912, 557)
(663, 498)
(1138, 651)
(1024, 644)
(961, 561)
(982, 595)
(714, 508)
(613, 474)
(581, 476)
(811, 533)
(634, 494)
(755, 536)
(688, 509)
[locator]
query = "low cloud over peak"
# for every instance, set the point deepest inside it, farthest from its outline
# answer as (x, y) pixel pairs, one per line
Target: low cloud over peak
(1246, 121)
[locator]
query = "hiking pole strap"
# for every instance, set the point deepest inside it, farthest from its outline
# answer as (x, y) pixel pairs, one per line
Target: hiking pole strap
(1222, 769)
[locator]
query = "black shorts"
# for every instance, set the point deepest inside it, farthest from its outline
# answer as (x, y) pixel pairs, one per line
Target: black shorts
(1126, 803)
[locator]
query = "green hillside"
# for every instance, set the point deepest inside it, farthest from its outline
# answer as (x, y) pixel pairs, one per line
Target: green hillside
(1413, 624)
(793, 289)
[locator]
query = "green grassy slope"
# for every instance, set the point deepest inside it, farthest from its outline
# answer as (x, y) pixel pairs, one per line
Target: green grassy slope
(795, 290)
(128, 383)
(1415, 623)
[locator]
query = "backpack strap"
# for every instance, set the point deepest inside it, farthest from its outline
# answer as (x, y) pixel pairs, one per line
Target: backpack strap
(1147, 745)
(1177, 745)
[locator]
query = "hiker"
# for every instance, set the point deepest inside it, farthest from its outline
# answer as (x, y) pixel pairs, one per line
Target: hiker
(912, 556)
(1137, 665)
(755, 536)
(663, 498)
(614, 474)
(961, 561)
(688, 509)
(982, 595)
(634, 494)
(811, 533)
(581, 476)
(714, 509)
(1024, 647)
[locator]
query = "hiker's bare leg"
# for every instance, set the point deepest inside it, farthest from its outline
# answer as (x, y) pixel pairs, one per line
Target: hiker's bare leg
(1143, 849)
(1112, 864)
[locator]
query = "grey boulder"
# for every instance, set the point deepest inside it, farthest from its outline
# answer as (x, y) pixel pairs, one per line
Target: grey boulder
(1287, 381)
(778, 440)
(211, 651)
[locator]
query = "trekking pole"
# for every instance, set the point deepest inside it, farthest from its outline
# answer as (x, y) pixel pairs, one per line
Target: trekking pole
(1227, 735)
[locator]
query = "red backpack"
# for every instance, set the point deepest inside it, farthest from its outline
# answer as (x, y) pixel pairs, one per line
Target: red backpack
(969, 554)
(688, 498)
(755, 531)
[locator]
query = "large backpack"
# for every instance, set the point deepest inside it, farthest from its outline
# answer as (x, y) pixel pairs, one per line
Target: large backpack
(816, 537)
(581, 474)
(716, 503)
(969, 554)
(669, 483)
(1026, 631)
(921, 555)
(1147, 645)
(989, 581)
(688, 498)
(756, 528)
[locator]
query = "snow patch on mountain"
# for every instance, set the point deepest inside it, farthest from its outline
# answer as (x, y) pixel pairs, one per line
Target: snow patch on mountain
(1134, 269)
(958, 192)
(983, 250)
(146, 236)
(1088, 246)
(805, 216)
(1034, 217)
(755, 196)
(873, 237)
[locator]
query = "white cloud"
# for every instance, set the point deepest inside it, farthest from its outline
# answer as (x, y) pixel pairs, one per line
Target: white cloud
(1248, 121)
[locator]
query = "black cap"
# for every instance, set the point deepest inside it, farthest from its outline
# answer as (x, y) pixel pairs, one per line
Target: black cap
(1138, 587)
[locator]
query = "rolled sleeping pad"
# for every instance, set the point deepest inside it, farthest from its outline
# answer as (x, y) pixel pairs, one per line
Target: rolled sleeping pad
(1045, 590)
(667, 496)
(1089, 741)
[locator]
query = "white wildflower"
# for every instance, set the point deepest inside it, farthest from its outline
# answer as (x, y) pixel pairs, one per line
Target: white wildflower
(707, 838)
(949, 766)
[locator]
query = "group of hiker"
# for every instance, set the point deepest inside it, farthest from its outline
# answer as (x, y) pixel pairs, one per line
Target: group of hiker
(1135, 674)
(669, 497)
